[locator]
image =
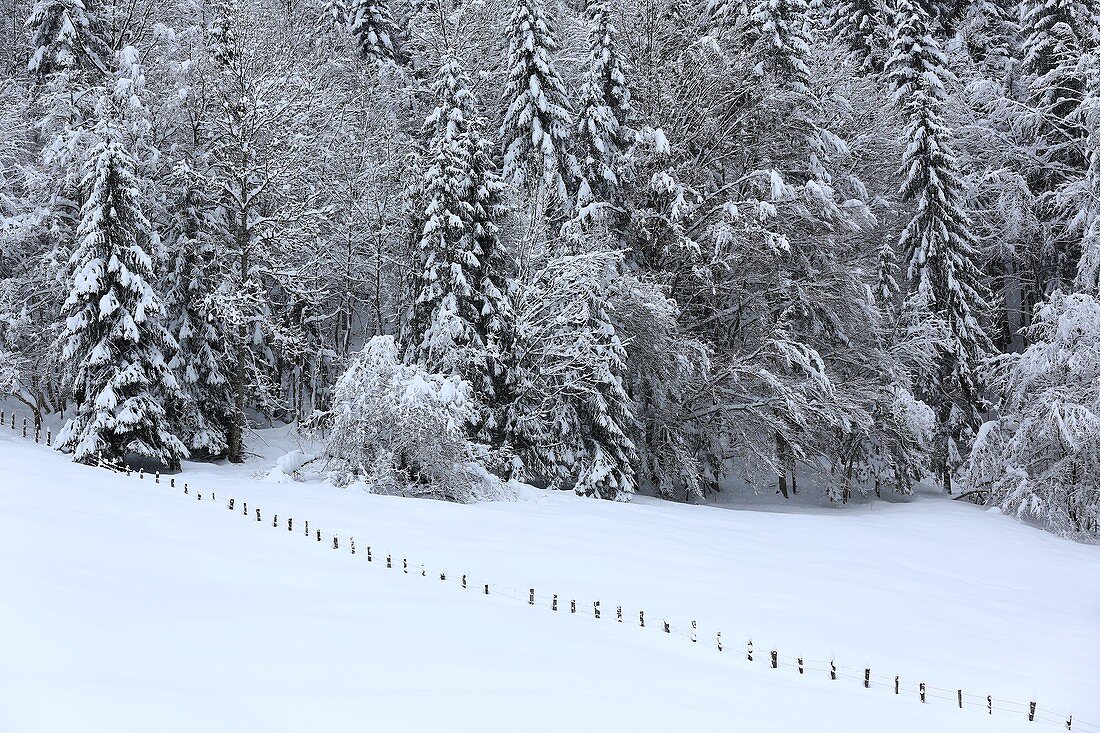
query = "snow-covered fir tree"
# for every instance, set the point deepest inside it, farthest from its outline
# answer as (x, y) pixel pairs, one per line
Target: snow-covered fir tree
(856, 24)
(65, 38)
(116, 348)
(460, 300)
(538, 117)
(203, 409)
(373, 29)
(603, 137)
(937, 244)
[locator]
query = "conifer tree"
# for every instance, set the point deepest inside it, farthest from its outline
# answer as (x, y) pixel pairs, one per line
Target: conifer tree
(937, 242)
(115, 345)
(373, 29)
(65, 38)
(537, 120)
(460, 300)
(855, 24)
(603, 135)
(204, 409)
(781, 47)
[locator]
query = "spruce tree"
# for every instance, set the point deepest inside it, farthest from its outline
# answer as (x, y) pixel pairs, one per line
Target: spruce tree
(373, 29)
(460, 302)
(204, 410)
(781, 42)
(536, 125)
(603, 135)
(115, 346)
(855, 23)
(65, 37)
(937, 242)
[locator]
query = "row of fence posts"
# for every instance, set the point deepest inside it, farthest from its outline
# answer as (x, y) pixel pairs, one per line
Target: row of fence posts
(1032, 707)
(37, 428)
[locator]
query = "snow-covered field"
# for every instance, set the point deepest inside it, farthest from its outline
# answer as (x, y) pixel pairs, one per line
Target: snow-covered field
(127, 606)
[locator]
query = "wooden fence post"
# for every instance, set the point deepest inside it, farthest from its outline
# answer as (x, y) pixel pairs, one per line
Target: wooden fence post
(867, 678)
(719, 639)
(922, 692)
(750, 650)
(554, 603)
(531, 597)
(775, 659)
(832, 670)
(1031, 713)
(801, 668)
(960, 699)
(641, 619)
(596, 608)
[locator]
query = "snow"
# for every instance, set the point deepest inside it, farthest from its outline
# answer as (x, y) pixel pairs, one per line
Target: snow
(128, 606)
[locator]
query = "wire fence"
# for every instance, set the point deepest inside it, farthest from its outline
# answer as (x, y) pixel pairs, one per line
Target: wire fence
(914, 690)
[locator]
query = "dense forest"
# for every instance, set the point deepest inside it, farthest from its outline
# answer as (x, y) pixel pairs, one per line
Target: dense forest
(613, 246)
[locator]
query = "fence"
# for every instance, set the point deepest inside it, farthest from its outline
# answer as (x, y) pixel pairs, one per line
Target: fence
(772, 658)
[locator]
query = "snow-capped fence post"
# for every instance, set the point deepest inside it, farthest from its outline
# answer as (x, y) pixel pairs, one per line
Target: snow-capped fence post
(1069, 723)
(694, 636)
(832, 670)
(307, 528)
(244, 508)
(989, 703)
(141, 473)
(443, 577)
(897, 685)
(185, 489)
(641, 619)
(573, 606)
(801, 668)
(668, 629)
(37, 432)
(24, 427)
(486, 589)
(719, 640)
(2, 421)
(596, 608)
(335, 542)
(275, 520)
(405, 567)
(554, 603)
(370, 558)
(318, 535)
(352, 540)
(49, 437)
(775, 659)
(749, 654)
(531, 597)
(463, 577)
(922, 692)
(231, 502)
(198, 496)
(619, 614)
(158, 477)
(172, 482)
(257, 514)
(960, 699)
(1031, 713)
(867, 678)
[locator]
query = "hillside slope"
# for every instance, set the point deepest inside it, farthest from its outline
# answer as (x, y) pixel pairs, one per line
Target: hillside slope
(128, 606)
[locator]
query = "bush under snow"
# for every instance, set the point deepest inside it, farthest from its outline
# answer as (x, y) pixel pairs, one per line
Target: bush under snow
(402, 430)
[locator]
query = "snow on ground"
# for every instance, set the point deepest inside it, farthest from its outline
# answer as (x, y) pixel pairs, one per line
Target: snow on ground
(128, 607)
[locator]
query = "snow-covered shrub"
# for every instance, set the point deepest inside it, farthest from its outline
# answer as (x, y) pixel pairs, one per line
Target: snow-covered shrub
(1041, 457)
(402, 430)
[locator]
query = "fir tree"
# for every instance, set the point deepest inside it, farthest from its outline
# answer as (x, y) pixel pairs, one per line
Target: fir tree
(460, 296)
(373, 30)
(855, 24)
(937, 242)
(65, 38)
(537, 120)
(115, 345)
(781, 45)
(204, 409)
(603, 135)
